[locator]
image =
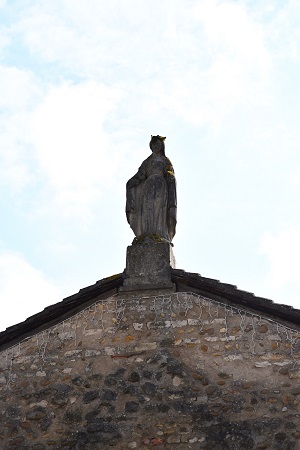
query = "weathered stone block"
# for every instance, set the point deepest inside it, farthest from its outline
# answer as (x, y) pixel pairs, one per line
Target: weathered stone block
(148, 266)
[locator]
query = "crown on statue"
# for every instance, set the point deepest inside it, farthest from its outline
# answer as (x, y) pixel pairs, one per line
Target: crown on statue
(162, 138)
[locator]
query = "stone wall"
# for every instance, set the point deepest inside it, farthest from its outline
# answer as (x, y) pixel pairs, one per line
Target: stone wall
(173, 372)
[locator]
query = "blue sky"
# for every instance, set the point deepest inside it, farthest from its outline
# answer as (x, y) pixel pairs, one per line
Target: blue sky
(83, 85)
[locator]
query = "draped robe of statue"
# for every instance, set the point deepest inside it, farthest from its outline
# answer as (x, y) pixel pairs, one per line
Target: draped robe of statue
(151, 200)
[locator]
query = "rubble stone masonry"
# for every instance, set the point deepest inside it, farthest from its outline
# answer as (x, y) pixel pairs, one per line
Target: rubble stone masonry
(178, 371)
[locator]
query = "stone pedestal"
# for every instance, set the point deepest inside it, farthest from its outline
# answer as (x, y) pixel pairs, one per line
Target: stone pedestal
(148, 266)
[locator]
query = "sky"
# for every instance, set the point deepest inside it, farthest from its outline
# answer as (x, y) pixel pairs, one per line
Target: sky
(83, 85)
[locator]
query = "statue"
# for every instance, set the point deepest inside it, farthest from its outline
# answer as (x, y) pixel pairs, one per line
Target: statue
(151, 204)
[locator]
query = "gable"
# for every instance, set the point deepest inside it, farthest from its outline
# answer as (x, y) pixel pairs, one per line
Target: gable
(164, 370)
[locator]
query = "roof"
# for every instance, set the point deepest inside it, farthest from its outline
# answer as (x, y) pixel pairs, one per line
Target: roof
(230, 294)
(185, 282)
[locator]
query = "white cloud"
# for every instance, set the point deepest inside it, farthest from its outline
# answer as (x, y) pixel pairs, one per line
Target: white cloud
(284, 31)
(72, 149)
(5, 40)
(223, 64)
(24, 290)
(55, 136)
(60, 249)
(283, 253)
(199, 60)
(18, 89)
(86, 38)
(237, 65)
(19, 93)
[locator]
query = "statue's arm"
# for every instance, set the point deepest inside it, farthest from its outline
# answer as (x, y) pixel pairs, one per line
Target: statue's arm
(172, 200)
(171, 180)
(137, 178)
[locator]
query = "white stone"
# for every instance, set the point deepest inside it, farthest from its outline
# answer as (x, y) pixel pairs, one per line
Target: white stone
(21, 359)
(195, 439)
(144, 346)
(140, 308)
(110, 351)
(73, 400)
(132, 445)
(93, 331)
(262, 364)
(67, 370)
(92, 352)
(194, 321)
(282, 363)
(233, 357)
(110, 330)
(138, 326)
(64, 335)
(177, 381)
(211, 338)
(192, 341)
(72, 352)
(178, 323)
(228, 338)
(200, 365)
(174, 397)
(40, 373)
(42, 403)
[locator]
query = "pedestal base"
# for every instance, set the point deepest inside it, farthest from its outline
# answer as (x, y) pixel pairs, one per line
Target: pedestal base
(148, 266)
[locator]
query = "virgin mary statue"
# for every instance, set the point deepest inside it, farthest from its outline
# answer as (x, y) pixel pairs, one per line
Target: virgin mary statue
(151, 197)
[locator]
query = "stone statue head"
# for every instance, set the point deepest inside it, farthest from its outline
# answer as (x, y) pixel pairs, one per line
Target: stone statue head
(157, 144)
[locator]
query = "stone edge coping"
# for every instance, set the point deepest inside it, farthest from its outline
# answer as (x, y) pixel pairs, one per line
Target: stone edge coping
(155, 302)
(185, 282)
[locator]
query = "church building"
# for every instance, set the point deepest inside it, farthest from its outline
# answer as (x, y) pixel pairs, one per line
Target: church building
(153, 357)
